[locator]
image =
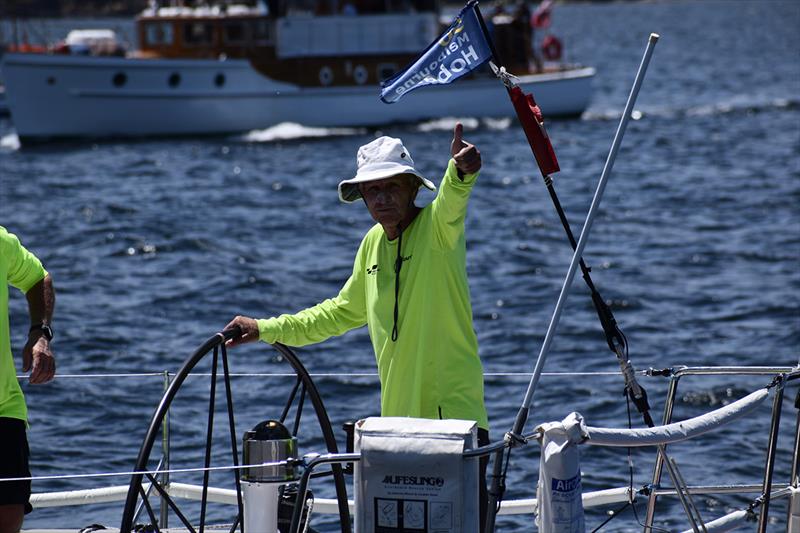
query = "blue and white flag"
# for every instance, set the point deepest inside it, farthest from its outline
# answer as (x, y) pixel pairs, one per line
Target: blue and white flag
(460, 49)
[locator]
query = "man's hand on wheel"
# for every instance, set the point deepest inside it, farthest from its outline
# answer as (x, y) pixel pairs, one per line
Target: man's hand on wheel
(249, 328)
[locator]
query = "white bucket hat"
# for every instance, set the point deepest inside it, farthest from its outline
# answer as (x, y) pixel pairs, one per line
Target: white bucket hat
(382, 158)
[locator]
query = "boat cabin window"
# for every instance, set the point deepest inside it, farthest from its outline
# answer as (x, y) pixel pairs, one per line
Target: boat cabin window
(158, 33)
(303, 7)
(261, 31)
(386, 70)
(425, 5)
(198, 33)
(367, 7)
(337, 36)
(235, 32)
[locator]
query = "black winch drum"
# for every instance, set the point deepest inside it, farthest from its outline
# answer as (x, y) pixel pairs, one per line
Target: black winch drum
(269, 442)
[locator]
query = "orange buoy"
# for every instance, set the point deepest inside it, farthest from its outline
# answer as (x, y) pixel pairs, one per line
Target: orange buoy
(551, 48)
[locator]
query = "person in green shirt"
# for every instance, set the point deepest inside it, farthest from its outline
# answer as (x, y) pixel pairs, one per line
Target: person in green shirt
(408, 286)
(21, 269)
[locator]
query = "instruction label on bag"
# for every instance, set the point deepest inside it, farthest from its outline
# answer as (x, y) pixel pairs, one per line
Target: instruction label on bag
(565, 497)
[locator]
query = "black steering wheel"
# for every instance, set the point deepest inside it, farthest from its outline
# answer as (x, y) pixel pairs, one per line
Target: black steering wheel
(138, 498)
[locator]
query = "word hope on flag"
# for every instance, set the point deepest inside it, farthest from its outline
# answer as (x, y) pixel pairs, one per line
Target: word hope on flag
(460, 50)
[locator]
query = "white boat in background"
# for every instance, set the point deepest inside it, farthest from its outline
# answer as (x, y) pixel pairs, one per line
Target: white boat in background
(213, 70)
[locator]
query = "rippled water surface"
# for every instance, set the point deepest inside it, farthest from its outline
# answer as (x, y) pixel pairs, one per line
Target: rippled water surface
(154, 246)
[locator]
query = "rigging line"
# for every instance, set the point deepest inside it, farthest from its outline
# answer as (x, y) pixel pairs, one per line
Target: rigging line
(118, 375)
(145, 472)
(533, 125)
(615, 338)
(611, 517)
(523, 412)
(631, 494)
(321, 374)
(502, 483)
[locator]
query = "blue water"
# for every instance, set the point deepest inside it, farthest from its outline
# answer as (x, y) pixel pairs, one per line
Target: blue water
(154, 246)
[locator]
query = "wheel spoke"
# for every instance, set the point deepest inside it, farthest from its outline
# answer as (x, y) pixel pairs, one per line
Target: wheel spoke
(146, 503)
(212, 396)
(290, 400)
(165, 495)
(234, 444)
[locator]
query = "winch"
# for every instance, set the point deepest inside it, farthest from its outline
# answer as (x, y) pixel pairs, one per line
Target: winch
(271, 445)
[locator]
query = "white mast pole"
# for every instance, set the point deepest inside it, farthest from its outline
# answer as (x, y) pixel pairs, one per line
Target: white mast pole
(515, 435)
(587, 226)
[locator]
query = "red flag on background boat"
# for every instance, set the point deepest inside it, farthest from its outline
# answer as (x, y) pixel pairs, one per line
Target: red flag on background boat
(541, 17)
(530, 116)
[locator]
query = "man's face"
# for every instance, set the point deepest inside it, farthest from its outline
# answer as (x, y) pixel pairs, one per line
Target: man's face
(389, 200)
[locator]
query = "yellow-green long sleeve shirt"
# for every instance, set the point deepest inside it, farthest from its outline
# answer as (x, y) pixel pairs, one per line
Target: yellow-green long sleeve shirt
(21, 269)
(433, 369)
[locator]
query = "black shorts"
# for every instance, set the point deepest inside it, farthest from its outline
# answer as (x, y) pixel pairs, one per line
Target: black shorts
(14, 455)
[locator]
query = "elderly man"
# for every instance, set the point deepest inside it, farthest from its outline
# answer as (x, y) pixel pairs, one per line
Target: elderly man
(21, 269)
(408, 285)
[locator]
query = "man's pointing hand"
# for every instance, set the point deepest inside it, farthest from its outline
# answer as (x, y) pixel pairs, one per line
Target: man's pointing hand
(466, 156)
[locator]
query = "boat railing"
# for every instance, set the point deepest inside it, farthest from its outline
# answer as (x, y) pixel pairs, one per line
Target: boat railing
(781, 376)
(766, 491)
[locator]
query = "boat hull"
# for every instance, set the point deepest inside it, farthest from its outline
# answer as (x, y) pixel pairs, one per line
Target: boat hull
(52, 96)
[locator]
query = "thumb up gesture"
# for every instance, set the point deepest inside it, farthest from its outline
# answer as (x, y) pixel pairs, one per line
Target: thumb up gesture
(466, 156)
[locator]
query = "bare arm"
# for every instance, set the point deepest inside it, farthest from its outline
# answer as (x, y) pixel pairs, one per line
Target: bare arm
(37, 355)
(249, 329)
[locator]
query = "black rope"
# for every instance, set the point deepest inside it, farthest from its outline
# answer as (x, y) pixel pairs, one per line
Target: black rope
(630, 473)
(502, 484)
(614, 336)
(398, 264)
(616, 340)
(611, 517)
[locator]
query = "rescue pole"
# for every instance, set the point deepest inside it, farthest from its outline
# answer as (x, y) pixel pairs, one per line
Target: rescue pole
(515, 435)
